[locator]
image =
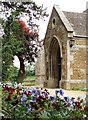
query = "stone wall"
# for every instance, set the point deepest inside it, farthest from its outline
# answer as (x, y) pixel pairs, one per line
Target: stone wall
(78, 63)
(40, 68)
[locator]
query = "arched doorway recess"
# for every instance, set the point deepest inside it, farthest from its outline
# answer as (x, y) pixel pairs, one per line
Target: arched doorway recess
(55, 63)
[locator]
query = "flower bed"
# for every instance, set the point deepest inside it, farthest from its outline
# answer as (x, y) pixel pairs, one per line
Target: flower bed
(23, 103)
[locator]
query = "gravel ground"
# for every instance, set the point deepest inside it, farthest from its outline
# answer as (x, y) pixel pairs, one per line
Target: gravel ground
(70, 93)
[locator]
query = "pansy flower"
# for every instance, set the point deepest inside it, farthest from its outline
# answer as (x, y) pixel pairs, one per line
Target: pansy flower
(34, 98)
(10, 95)
(72, 100)
(20, 85)
(41, 110)
(37, 87)
(56, 92)
(52, 98)
(28, 110)
(15, 85)
(67, 99)
(30, 101)
(34, 92)
(27, 90)
(78, 99)
(24, 98)
(61, 92)
(43, 93)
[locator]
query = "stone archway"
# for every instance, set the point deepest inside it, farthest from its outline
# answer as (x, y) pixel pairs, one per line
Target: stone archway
(55, 63)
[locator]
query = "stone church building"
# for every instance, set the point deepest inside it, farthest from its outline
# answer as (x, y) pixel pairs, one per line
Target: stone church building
(62, 58)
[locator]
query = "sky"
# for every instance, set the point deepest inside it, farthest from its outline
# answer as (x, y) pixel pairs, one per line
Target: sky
(65, 5)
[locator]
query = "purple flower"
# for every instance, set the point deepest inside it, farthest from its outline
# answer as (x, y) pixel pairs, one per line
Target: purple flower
(52, 98)
(24, 105)
(7, 84)
(43, 93)
(34, 92)
(30, 101)
(57, 91)
(61, 92)
(28, 110)
(24, 98)
(32, 110)
(37, 87)
(72, 99)
(67, 99)
(34, 98)
(78, 98)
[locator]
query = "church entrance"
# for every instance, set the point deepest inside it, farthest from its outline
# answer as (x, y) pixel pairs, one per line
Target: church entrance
(55, 63)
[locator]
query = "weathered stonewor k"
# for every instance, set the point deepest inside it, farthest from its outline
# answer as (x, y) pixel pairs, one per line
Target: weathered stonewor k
(62, 60)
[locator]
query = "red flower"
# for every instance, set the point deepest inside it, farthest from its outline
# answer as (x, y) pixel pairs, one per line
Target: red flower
(78, 105)
(5, 89)
(36, 107)
(17, 91)
(32, 104)
(53, 104)
(36, 118)
(65, 104)
(10, 95)
(81, 110)
(57, 106)
(37, 99)
(29, 93)
(86, 108)
(11, 89)
(16, 97)
(17, 87)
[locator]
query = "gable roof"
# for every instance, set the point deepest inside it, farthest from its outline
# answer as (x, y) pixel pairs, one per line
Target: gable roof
(73, 21)
(77, 21)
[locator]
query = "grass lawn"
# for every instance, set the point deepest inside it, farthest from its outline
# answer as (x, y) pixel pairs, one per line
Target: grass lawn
(29, 81)
(30, 78)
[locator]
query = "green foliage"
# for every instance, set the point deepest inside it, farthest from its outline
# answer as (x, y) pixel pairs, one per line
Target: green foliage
(76, 88)
(11, 44)
(11, 74)
(29, 72)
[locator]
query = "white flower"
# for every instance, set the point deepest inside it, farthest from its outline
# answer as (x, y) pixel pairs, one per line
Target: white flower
(1, 84)
(21, 91)
(20, 85)
(15, 85)
(27, 89)
(84, 116)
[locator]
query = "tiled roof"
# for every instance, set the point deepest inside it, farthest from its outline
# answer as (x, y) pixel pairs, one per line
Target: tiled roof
(78, 22)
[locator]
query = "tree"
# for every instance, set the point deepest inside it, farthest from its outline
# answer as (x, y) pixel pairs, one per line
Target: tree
(18, 39)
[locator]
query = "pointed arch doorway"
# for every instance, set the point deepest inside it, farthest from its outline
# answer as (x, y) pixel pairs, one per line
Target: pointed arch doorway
(55, 64)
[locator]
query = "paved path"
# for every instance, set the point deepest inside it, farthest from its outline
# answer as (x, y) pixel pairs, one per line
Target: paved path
(70, 93)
